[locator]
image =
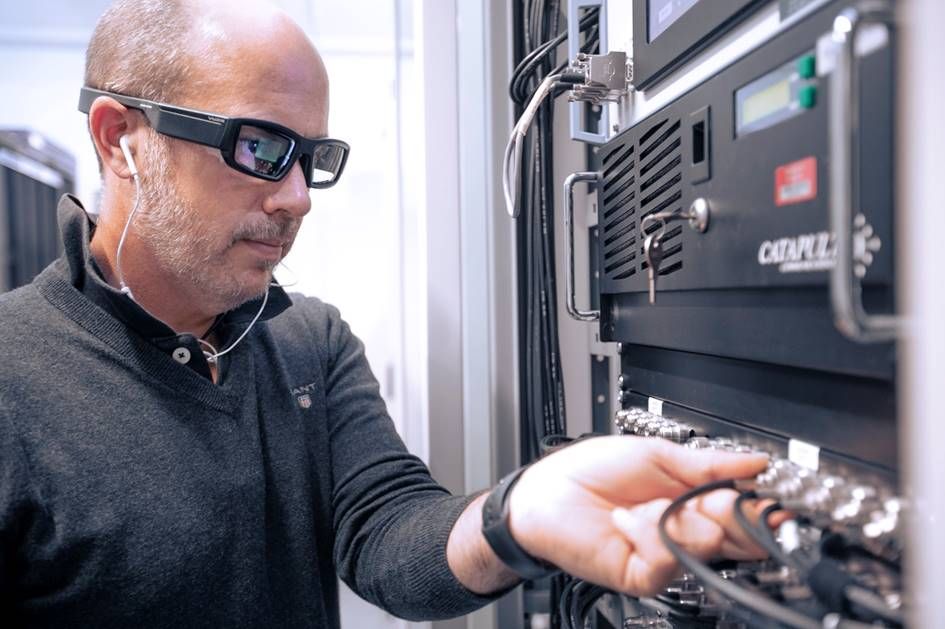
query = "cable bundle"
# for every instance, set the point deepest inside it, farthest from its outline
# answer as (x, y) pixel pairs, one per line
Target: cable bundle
(543, 386)
(529, 193)
(753, 600)
(576, 602)
(536, 77)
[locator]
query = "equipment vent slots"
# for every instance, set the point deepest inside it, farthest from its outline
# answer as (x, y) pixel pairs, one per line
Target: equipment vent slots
(641, 175)
(660, 190)
(620, 233)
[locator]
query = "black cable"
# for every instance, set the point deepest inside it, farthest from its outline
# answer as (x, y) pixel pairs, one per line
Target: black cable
(761, 532)
(853, 593)
(593, 595)
(564, 604)
(524, 86)
(839, 547)
(555, 588)
(711, 579)
(574, 613)
(524, 71)
(543, 387)
(871, 602)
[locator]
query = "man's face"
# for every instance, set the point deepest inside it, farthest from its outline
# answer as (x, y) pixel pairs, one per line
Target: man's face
(219, 230)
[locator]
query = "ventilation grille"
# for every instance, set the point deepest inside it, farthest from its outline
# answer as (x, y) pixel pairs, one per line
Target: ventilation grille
(619, 192)
(639, 178)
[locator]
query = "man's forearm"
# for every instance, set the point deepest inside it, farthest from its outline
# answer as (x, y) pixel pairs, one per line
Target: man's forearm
(471, 558)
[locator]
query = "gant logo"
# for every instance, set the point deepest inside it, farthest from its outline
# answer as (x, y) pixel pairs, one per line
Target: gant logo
(303, 394)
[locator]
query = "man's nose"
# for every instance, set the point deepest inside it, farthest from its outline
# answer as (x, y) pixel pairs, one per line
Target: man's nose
(291, 194)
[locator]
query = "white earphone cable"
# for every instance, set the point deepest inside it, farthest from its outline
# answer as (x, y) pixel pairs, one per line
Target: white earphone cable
(133, 169)
(213, 355)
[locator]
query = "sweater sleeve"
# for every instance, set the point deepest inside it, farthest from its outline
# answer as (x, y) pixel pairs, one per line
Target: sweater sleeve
(15, 501)
(391, 519)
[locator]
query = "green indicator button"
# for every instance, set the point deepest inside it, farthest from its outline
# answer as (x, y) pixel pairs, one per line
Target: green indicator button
(807, 66)
(807, 96)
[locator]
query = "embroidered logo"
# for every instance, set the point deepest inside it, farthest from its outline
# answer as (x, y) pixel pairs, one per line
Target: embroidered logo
(303, 394)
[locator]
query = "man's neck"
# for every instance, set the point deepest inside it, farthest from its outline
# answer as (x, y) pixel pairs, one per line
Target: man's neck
(160, 295)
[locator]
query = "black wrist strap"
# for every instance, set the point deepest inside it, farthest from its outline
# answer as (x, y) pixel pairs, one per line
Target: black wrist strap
(495, 528)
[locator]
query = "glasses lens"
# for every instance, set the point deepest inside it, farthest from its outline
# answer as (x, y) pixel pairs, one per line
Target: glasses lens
(327, 163)
(262, 151)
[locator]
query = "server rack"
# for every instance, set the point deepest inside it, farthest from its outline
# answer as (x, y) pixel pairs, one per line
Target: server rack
(749, 343)
(34, 174)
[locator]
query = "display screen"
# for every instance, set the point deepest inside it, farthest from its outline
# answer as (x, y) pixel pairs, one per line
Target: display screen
(662, 14)
(778, 95)
(767, 102)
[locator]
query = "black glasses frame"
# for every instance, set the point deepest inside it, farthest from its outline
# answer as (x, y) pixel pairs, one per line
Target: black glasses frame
(222, 133)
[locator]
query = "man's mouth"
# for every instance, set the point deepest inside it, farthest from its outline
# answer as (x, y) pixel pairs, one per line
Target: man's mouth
(268, 248)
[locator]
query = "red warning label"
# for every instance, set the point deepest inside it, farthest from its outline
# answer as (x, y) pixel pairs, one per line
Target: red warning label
(795, 182)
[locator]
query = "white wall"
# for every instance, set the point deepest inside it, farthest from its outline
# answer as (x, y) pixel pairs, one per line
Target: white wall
(42, 56)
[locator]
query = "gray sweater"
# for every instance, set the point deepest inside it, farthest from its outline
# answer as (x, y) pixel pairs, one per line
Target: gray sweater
(135, 492)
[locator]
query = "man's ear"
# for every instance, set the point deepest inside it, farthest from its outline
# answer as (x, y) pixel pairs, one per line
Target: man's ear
(109, 120)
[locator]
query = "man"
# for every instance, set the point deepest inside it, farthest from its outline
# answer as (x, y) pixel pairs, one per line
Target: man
(183, 445)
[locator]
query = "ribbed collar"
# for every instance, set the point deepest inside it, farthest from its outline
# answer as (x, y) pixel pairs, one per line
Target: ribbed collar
(77, 227)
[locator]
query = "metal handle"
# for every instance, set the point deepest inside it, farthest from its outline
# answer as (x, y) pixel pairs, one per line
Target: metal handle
(573, 178)
(845, 288)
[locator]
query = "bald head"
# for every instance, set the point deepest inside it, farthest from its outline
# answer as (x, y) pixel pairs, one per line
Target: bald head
(172, 50)
(140, 48)
(213, 55)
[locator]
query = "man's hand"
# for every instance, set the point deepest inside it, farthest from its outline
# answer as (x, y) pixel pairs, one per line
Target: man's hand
(592, 509)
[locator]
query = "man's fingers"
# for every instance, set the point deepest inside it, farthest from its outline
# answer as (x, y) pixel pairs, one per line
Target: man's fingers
(697, 467)
(650, 565)
(719, 506)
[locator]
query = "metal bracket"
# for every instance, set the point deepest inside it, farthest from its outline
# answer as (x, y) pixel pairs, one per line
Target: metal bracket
(574, 48)
(845, 287)
(573, 178)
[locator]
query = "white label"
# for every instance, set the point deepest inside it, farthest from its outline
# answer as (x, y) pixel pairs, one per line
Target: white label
(804, 454)
(655, 406)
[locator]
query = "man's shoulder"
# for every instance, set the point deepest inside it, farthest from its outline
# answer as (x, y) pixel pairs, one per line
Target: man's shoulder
(310, 324)
(31, 335)
(310, 311)
(21, 309)
(308, 317)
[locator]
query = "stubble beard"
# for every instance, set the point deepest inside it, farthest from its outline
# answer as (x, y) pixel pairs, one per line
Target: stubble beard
(188, 248)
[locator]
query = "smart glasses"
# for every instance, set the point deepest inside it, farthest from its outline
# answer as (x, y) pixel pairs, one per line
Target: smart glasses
(258, 148)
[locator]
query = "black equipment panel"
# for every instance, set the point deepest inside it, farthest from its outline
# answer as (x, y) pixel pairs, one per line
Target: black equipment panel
(742, 332)
(700, 25)
(754, 286)
(850, 417)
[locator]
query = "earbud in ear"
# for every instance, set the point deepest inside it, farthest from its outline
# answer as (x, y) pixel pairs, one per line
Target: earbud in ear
(126, 151)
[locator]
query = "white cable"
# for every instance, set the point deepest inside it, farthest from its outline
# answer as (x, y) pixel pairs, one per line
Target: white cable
(295, 278)
(133, 169)
(212, 356)
(513, 150)
(124, 234)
